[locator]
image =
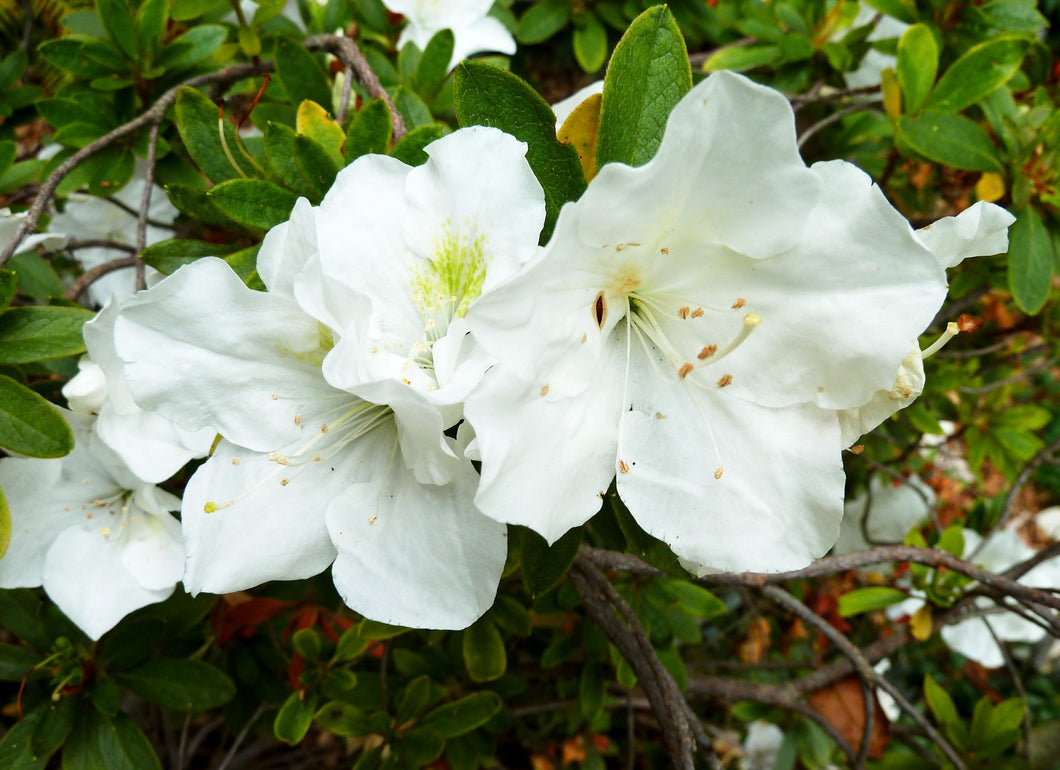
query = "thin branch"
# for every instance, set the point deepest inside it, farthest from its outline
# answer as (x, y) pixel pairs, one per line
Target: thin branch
(98, 243)
(601, 601)
(242, 736)
(836, 116)
(351, 57)
(87, 278)
(1045, 454)
(1028, 372)
(145, 204)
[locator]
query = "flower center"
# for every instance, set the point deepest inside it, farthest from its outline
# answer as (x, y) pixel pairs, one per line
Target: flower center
(445, 285)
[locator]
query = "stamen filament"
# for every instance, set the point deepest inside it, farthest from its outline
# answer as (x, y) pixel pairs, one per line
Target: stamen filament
(952, 330)
(750, 323)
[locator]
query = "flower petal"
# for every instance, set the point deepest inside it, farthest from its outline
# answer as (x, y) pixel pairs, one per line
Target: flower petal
(778, 501)
(414, 554)
(977, 231)
(205, 351)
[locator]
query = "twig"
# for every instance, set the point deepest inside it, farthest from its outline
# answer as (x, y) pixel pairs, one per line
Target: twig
(806, 135)
(99, 243)
(182, 746)
(89, 276)
(602, 600)
(145, 204)
(1043, 455)
(1029, 371)
(350, 55)
(242, 736)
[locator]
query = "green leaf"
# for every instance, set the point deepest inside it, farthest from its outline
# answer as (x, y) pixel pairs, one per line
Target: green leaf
(940, 703)
(193, 46)
(179, 683)
(11, 69)
(41, 332)
(36, 276)
(544, 564)
(350, 645)
(867, 599)
(433, 67)
(1030, 260)
(376, 631)
(279, 152)
(952, 140)
(509, 613)
(903, 10)
(981, 70)
(696, 600)
(412, 699)
(592, 689)
(410, 149)
(16, 747)
(21, 613)
(15, 661)
(307, 643)
(97, 741)
(420, 746)
(118, 20)
(30, 425)
(72, 54)
(742, 58)
(648, 74)
(312, 121)
(542, 20)
(196, 204)
(253, 203)
(295, 716)
(315, 166)
(151, 20)
(918, 63)
(369, 132)
(463, 716)
(489, 96)
(57, 720)
(590, 45)
(198, 123)
(8, 152)
(8, 287)
(413, 110)
(169, 255)
(300, 74)
(952, 540)
(483, 650)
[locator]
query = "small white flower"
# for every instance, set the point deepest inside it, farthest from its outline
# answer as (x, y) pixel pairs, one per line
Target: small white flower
(885, 513)
(101, 541)
(9, 223)
(473, 29)
(761, 746)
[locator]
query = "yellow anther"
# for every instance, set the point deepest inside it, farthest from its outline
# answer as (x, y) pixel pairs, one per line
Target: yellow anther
(684, 370)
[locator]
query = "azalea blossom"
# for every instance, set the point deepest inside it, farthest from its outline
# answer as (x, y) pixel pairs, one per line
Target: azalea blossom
(872, 65)
(99, 540)
(90, 217)
(692, 329)
(152, 447)
(9, 223)
(473, 29)
(333, 390)
(978, 231)
(884, 513)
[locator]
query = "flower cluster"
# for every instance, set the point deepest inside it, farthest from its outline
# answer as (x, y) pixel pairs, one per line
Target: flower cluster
(707, 332)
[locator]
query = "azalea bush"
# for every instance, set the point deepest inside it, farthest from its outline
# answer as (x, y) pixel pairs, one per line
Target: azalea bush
(529, 385)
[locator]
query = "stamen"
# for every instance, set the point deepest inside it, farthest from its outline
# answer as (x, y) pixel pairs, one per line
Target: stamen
(952, 330)
(707, 352)
(623, 466)
(697, 313)
(750, 322)
(739, 303)
(544, 389)
(718, 472)
(684, 370)
(683, 312)
(726, 379)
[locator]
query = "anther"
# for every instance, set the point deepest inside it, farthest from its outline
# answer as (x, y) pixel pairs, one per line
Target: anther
(275, 396)
(664, 250)
(726, 379)
(707, 352)
(235, 461)
(284, 482)
(684, 370)
(324, 428)
(278, 458)
(660, 416)
(697, 313)
(952, 330)
(739, 303)
(297, 419)
(105, 531)
(623, 466)
(683, 312)
(545, 389)
(372, 521)
(718, 472)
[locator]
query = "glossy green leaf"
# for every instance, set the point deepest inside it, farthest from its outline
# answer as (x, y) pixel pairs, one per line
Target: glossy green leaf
(420, 746)
(300, 74)
(918, 63)
(16, 661)
(413, 699)
(463, 716)
(952, 140)
(903, 10)
(489, 96)
(151, 20)
(5, 534)
(370, 131)
(199, 123)
(198, 43)
(29, 424)
(648, 74)
(940, 702)
(982, 69)
(253, 203)
(196, 204)
(295, 716)
(16, 747)
(1030, 260)
(542, 20)
(315, 165)
(8, 152)
(97, 741)
(696, 600)
(57, 720)
(8, 287)
(433, 66)
(867, 599)
(544, 564)
(166, 256)
(118, 21)
(41, 332)
(179, 683)
(742, 58)
(483, 649)
(11, 69)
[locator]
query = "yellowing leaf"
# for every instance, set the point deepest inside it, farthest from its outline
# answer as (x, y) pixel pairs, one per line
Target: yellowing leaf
(920, 624)
(580, 130)
(312, 121)
(892, 94)
(5, 524)
(990, 187)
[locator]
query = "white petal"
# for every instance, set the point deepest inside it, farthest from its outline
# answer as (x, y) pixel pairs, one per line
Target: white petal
(778, 501)
(414, 554)
(485, 34)
(892, 508)
(36, 517)
(972, 639)
(154, 551)
(262, 529)
(86, 391)
(287, 249)
(546, 460)
(908, 386)
(205, 351)
(84, 575)
(977, 231)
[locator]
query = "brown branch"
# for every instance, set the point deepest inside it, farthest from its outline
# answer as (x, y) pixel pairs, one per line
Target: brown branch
(602, 600)
(153, 115)
(351, 57)
(76, 244)
(145, 204)
(87, 278)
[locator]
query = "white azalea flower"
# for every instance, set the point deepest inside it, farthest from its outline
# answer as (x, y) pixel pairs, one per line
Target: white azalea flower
(101, 541)
(89, 217)
(977, 231)
(885, 514)
(9, 223)
(150, 445)
(473, 29)
(693, 325)
(872, 65)
(761, 746)
(332, 390)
